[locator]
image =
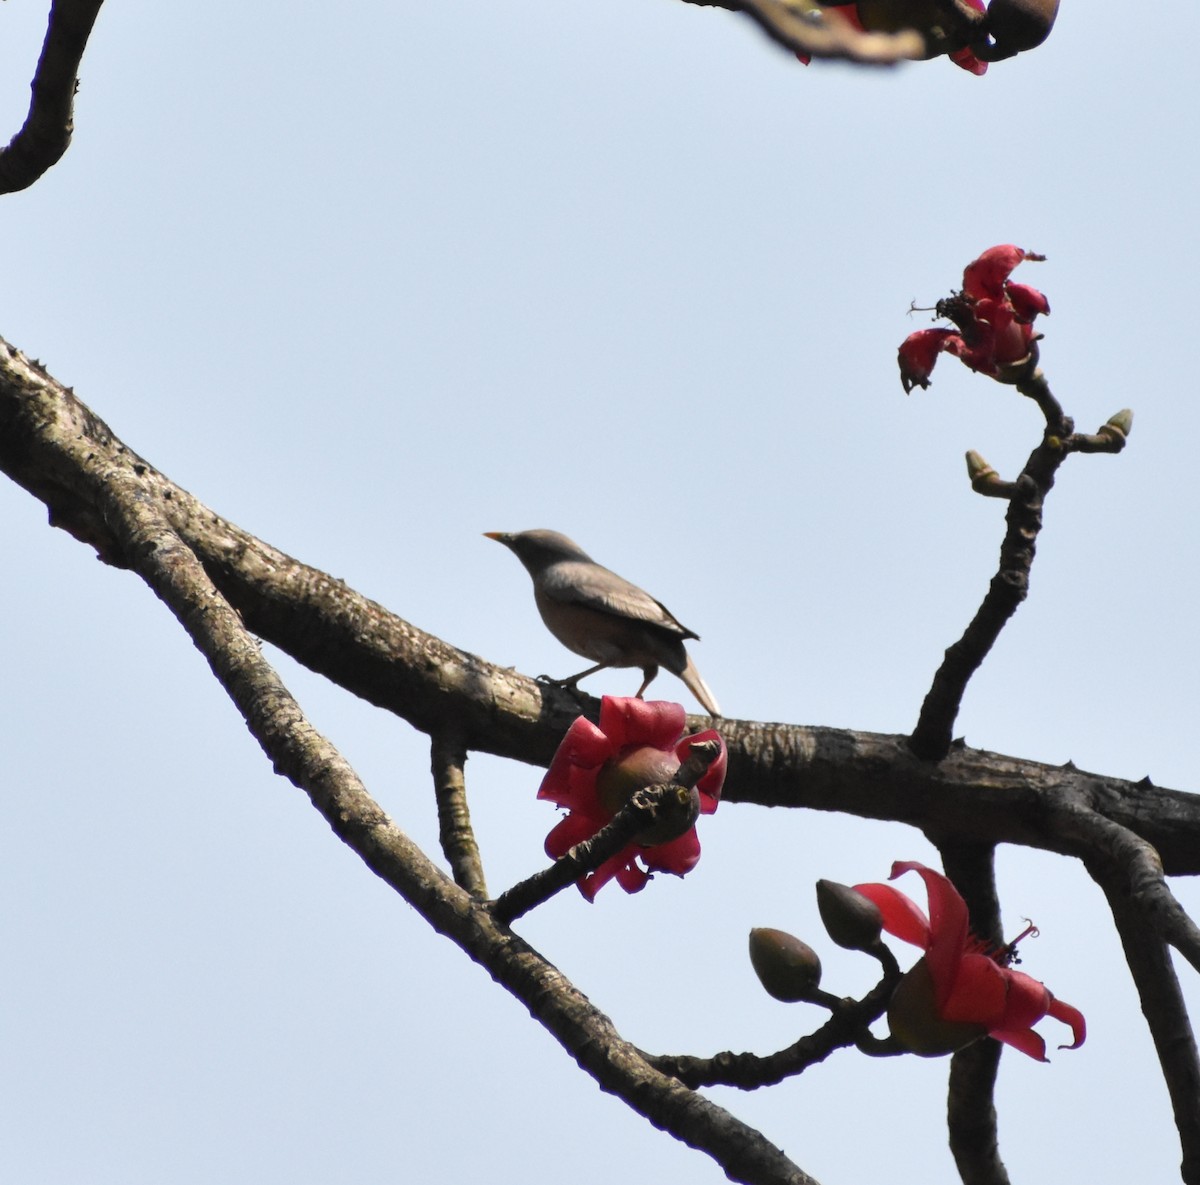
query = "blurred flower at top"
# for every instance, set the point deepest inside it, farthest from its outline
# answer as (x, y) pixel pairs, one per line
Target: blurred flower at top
(597, 769)
(891, 16)
(994, 319)
(962, 988)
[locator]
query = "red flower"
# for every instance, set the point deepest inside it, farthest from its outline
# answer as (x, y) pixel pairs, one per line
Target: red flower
(872, 16)
(973, 989)
(994, 318)
(596, 770)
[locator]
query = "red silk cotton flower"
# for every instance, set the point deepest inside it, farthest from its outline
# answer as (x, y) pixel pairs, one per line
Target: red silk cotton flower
(994, 317)
(881, 16)
(961, 989)
(597, 769)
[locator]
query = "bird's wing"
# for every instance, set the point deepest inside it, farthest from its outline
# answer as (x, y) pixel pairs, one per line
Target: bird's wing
(598, 588)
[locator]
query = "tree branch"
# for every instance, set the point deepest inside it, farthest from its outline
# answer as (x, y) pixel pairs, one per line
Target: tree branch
(1129, 861)
(1165, 1011)
(932, 736)
(297, 751)
(46, 133)
(749, 1071)
(51, 444)
(970, 1103)
(448, 759)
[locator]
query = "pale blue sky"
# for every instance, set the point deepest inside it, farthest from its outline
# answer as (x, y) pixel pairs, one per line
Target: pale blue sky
(373, 279)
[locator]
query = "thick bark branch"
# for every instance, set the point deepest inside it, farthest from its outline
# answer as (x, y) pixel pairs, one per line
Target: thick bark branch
(46, 133)
(152, 548)
(1132, 863)
(1165, 1011)
(51, 444)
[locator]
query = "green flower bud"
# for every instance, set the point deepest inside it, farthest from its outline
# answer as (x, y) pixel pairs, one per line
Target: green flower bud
(1118, 426)
(788, 968)
(851, 920)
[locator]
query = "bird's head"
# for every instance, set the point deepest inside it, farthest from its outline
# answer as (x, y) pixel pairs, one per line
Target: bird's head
(538, 549)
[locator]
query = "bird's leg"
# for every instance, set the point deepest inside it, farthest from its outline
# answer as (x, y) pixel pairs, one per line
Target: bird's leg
(649, 673)
(574, 679)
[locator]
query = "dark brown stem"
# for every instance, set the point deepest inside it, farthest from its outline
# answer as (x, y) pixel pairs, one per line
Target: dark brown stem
(970, 1103)
(448, 759)
(1131, 862)
(971, 1114)
(749, 1071)
(46, 133)
(1165, 1011)
(931, 739)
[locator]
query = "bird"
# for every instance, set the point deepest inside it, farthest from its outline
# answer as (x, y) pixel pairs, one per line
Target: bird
(601, 616)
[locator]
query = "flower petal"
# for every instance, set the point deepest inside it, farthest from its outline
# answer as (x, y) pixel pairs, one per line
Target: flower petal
(1027, 302)
(1026, 1040)
(968, 61)
(570, 830)
(631, 877)
(901, 915)
(1070, 1016)
(917, 354)
(628, 721)
(1027, 1000)
(948, 924)
(676, 856)
(979, 994)
(622, 866)
(584, 747)
(985, 276)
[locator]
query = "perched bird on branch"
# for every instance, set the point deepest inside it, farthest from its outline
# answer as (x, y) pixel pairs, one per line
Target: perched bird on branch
(597, 614)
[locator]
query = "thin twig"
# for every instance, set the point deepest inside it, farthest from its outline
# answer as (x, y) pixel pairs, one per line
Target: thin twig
(931, 739)
(448, 759)
(46, 133)
(749, 1071)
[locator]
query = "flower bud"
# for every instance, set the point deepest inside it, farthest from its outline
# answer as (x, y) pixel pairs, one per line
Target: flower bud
(1118, 426)
(914, 1021)
(851, 920)
(1017, 25)
(977, 467)
(619, 777)
(788, 968)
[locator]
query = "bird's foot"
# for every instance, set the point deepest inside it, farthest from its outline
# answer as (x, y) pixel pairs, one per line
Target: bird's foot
(571, 685)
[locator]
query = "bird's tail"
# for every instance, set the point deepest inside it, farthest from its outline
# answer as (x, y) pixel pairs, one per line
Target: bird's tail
(697, 686)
